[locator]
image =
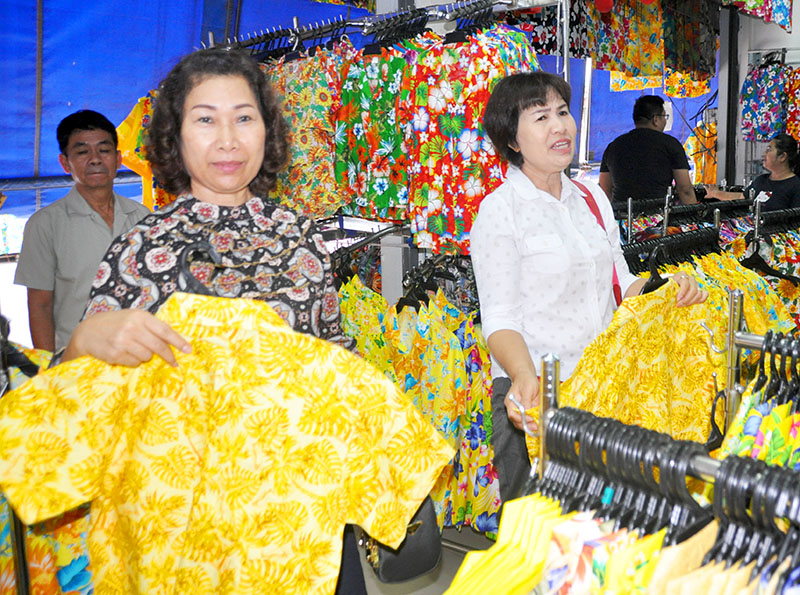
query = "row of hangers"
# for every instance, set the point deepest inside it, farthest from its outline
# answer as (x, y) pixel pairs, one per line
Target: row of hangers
(649, 255)
(341, 259)
(637, 478)
(420, 282)
(704, 210)
(766, 224)
(782, 382)
(679, 248)
(380, 31)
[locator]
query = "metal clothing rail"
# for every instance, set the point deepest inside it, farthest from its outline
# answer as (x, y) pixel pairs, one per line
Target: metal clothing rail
(44, 182)
(700, 467)
(367, 25)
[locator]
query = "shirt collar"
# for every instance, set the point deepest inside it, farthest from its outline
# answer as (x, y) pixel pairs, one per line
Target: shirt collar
(77, 205)
(527, 189)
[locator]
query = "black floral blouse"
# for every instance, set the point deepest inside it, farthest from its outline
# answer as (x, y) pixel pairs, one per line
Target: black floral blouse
(267, 251)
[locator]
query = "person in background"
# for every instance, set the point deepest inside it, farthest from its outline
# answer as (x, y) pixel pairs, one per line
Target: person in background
(643, 163)
(217, 140)
(546, 254)
(781, 183)
(64, 242)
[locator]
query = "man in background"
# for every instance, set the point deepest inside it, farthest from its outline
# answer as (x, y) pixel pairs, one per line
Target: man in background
(643, 163)
(63, 243)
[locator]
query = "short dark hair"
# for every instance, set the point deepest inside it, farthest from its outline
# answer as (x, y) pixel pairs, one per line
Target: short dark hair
(84, 119)
(512, 96)
(163, 142)
(785, 143)
(647, 107)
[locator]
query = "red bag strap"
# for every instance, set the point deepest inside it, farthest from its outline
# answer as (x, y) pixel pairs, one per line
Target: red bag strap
(592, 204)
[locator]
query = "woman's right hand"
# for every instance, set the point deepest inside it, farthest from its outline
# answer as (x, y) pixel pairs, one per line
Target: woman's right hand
(126, 337)
(526, 389)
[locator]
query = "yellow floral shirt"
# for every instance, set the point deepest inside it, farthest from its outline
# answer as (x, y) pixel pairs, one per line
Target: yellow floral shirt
(232, 473)
(651, 367)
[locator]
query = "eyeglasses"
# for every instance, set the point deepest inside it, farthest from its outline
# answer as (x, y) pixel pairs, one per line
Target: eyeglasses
(665, 116)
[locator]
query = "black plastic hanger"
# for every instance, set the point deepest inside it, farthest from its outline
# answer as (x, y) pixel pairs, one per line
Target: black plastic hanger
(718, 505)
(766, 346)
(774, 376)
(655, 281)
(755, 262)
(193, 284)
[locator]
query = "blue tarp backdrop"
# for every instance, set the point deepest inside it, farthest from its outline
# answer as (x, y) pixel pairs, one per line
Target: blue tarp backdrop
(106, 55)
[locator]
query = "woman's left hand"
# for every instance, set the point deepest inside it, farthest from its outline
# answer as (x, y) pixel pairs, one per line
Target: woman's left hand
(689, 293)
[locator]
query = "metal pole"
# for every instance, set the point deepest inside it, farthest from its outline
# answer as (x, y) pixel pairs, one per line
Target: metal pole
(717, 219)
(704, 468)
(565, 36)
(583, 146)
(756, 219)
(733, 392)
(548, 402)
(749, 340)
(630, 219)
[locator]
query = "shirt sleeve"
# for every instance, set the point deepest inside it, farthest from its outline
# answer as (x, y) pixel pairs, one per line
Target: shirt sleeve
(36, 268)
(626, 278)
(496, 262)
(678, 159)
(604, 162)
(110, 289)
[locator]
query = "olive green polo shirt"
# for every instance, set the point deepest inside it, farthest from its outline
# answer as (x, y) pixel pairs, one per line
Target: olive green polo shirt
(62, 247)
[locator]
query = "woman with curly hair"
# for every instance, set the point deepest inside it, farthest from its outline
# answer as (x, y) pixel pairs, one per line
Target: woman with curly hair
(217, 139)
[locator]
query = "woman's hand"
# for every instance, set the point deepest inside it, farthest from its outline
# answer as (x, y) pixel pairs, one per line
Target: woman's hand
(525, 389)
(126, 337)
(689, 293)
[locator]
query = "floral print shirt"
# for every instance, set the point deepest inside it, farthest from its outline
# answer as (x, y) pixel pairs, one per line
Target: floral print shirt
(763, 98)
(267, 252)
(772, 11)
(793, 104)
(309, 89)
(452, 164)
(370, 153)
(690, 29)
(221, 475)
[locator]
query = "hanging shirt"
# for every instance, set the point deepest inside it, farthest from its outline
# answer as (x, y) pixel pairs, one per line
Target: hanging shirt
(681, 84)
(452, 163)
(370, 152)
(793, 104)
(652, 367)
(221, 475)
(309, 88)
(544, 267)
(690, 29)
(763, 97)
(701, 147)
(132, 134)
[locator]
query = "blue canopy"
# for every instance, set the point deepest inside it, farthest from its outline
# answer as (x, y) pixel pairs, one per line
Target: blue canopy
(106, 55)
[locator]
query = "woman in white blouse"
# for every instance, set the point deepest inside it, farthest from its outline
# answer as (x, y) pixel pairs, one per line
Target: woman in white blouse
(544, 266)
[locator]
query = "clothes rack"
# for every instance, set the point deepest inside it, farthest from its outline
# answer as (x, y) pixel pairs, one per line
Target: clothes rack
(701, 467)
(21, 576)
(372, 25)
(678, 247)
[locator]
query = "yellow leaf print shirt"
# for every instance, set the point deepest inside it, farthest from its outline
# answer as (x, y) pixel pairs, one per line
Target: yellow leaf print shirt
(651, 367)
(232, 473)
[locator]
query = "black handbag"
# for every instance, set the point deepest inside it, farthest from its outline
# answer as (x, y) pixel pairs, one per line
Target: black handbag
(418, 554)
